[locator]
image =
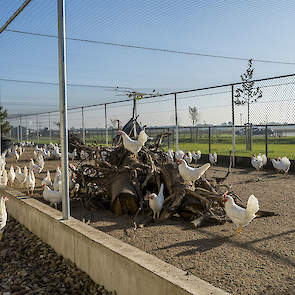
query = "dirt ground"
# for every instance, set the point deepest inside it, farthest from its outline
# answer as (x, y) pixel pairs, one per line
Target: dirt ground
(260, 260)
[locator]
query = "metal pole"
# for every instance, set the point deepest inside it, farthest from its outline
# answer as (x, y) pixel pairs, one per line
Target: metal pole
(37, 131)
(134, 116)
(21, 128)
(49, 126)
(176, 123)
(83, 126)
(16, 13)
(106, 124)
(266, 140)
(27, 131)
(233, 126)
(63, 109)
(209, 138)
(1, 122)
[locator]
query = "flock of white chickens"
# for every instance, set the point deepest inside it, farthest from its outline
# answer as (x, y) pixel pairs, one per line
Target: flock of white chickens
(52, 190)
(26, 177)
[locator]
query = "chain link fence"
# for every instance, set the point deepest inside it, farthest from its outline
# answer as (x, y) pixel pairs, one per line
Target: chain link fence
(266, 125)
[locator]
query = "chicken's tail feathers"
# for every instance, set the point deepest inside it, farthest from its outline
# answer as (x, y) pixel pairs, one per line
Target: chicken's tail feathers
(286, 161)
(204, 168)
(252, 205)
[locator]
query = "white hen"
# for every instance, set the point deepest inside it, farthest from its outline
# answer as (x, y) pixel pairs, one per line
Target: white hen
(57, 180)
(73, 154)
(30, 182)
(196, 156)
(179, 155)
(47, 180)
(35, 167)
(11, 175)
(257, 162)
(156, 202)
(282, 165)
(189, 173)
(133, 146)
(213, 158)
(241, 217)
(3, 214)
(53, 197)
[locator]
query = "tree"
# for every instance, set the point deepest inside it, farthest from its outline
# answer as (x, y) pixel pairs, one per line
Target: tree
(194, 114)
(247, 94)
(5, 126)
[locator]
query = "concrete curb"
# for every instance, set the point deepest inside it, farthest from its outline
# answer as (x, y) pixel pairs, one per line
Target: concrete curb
(108, 261)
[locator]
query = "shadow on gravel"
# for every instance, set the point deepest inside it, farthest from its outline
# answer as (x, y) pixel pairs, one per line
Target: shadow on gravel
(248, 246)
(201, 245)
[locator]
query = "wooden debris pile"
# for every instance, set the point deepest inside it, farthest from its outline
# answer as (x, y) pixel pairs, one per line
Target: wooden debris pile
(112, 178)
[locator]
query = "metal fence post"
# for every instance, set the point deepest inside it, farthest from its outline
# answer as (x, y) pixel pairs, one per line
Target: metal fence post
(83, 126)
(266, 140)
(176, 123)
(27, 131)
(49, 126)
(209, 138)
(168, 138)
(37, 131)
(17, 132)
(106, 123)
(233, 127)
(20, 128)
(63, 109)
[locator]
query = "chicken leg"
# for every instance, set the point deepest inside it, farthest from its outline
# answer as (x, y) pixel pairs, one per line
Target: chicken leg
(0, 235)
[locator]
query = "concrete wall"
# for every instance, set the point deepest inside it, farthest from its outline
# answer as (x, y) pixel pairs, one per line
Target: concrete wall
(108, 261)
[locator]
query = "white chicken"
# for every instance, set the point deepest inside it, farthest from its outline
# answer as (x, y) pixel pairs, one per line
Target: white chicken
(16, 155)
(30, 182)
(57, 180)
(35, 167)
(11, 175)
(257, 162)
(3, 214)
(240, 217)
(179, 155)
(282, 165)
(196, 156)
(188, 157)
(19, 174)
(213, 158)
(133, 146)
(73, 154)
(4, 179)
(40, 161)
(47, 180)
(189, 173)
(264, 159)
(52, 196)
(156, 202)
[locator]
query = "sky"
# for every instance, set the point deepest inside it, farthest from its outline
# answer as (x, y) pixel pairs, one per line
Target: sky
(242, 29)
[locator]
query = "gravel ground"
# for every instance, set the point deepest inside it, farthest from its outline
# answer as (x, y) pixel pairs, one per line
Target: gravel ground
(29, 266)
(261, 260)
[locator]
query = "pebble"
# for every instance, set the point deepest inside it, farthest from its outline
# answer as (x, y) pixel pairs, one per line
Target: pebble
(29, 266)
